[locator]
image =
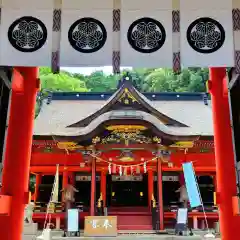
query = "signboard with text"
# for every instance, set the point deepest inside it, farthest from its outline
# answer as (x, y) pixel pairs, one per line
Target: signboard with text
(100, 226)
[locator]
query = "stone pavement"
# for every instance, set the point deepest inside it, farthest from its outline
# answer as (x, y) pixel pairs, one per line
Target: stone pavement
(119, 238)
(57, 236)
(129, 237)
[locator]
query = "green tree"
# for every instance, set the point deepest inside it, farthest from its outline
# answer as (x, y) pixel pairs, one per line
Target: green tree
(145, 80)
(62, 82)
(100, 82)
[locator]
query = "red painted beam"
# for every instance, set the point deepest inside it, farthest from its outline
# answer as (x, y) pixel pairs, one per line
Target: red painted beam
(50, 159)
(52, 169)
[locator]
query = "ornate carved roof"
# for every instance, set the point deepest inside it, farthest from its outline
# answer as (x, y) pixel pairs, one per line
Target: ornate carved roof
(129, 98)
(81, 120)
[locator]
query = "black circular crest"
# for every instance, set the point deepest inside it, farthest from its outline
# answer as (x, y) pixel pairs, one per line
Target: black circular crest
(87, 35)
(27, 34)
(146, 35)
(205, 35)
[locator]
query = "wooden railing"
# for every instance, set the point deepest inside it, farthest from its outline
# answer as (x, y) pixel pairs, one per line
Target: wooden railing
(54, 207)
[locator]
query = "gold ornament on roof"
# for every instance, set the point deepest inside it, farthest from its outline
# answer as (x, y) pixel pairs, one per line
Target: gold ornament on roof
(183, 144)
(127, 133)
(96, 140)
(126, 159)
(67, 145)
(127, 97)
(157, 140)
(126, 128)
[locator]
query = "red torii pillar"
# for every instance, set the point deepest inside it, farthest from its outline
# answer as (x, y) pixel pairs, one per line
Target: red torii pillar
(15, 181)
(225, 169)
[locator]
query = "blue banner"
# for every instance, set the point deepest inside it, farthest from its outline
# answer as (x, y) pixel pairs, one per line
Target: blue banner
(191, 185)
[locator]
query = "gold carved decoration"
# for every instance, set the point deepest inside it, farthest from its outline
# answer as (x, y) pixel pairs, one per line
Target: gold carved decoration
(100, 201)
(96, 140)
(157, 140)
(154, 204)
(186, 144)
(126, 159)
(126, 134)
(127, 97)
(126, 128)
(67, 145)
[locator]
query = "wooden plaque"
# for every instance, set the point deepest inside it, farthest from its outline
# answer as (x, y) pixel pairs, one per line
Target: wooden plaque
(100, 226)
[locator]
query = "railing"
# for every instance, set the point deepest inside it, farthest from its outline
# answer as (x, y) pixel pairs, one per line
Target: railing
(54, 207)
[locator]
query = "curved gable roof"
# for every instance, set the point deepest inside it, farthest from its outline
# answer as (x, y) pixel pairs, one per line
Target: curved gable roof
(128, 93)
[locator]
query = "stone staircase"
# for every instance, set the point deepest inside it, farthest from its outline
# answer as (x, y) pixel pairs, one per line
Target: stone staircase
(132, 218)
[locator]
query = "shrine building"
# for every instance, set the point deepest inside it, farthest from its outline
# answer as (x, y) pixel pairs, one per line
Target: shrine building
(124, 152)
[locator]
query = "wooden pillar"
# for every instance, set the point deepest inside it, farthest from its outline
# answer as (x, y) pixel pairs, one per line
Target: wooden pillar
(103, 187)
(160, 193)
(224, 156)
(71, 177)
(64, 182)
(93, 188)
(215, 189)
(38, 182)
(150, 186)
(181, 179)
(15, 179)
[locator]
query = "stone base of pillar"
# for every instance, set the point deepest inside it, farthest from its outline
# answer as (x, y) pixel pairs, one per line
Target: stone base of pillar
(30, 228)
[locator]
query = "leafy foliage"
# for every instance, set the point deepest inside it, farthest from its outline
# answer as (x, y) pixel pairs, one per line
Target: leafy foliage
(63, 82)
(145, 80)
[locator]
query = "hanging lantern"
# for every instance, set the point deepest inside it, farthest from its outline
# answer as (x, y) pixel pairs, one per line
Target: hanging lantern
(145, 167)
(120, 170)
(109, 169)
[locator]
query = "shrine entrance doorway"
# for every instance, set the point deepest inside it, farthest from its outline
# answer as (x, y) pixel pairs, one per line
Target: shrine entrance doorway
(127, 191)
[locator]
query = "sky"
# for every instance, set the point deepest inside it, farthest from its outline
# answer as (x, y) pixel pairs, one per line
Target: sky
(89, 70)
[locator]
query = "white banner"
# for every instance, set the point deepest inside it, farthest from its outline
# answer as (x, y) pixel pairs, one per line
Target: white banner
(206, 33)
(86, 36)
(26, 33)
(89, 33)
(146, 34)
(26, 38)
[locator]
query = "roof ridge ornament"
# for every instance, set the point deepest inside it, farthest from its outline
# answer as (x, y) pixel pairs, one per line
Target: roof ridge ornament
(127, 97)
(126, 84)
